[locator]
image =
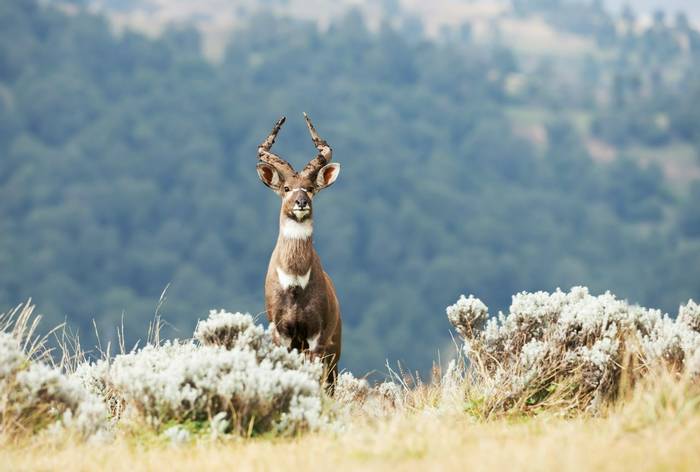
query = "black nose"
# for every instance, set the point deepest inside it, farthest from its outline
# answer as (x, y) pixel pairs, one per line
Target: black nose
(302, 201)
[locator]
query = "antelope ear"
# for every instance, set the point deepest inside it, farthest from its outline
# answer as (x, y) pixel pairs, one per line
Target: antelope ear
(327, 175)
(269, 176)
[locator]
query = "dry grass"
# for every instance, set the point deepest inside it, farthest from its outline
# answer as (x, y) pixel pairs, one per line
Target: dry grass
(657, 427)
(22, 324)
(404, 443)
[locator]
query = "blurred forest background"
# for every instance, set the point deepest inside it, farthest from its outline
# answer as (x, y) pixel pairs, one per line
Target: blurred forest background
(487, 148)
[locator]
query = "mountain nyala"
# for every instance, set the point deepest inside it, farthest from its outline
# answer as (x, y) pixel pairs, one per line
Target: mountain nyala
(300, 297)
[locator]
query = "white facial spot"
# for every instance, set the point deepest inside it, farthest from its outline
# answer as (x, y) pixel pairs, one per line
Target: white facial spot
(292, 280)
(313, 342)
(294, 230)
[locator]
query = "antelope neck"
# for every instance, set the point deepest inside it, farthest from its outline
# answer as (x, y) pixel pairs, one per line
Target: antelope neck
(295, 251)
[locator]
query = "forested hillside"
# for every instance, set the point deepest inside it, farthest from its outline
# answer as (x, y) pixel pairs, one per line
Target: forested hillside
(128, 163)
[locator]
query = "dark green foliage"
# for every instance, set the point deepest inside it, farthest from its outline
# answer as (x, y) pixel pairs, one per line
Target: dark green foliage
(690, 213)
(127, 164)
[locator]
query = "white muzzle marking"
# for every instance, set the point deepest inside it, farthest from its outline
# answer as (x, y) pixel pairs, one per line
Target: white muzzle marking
(299, 213)
(292, 280)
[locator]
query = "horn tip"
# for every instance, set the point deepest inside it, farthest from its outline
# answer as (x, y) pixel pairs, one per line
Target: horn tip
(308, 122)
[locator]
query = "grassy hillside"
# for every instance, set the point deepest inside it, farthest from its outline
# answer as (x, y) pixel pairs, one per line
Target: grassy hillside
(422, 440)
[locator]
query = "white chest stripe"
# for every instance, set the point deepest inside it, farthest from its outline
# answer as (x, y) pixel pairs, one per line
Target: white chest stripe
(293, 280)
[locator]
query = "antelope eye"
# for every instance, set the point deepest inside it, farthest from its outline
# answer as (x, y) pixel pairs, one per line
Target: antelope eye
(310, 190)
(286, 189)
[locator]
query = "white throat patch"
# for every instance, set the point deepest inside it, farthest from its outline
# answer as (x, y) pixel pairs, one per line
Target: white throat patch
(292, 280)
(294, 230)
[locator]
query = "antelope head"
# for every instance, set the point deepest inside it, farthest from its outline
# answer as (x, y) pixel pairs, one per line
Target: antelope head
(296, 189)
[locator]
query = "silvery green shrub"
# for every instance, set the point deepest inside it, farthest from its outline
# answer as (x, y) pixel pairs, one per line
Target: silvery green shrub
(355, 395)
(35, 396)
(547, 338)
(232, 374)
(689, 315)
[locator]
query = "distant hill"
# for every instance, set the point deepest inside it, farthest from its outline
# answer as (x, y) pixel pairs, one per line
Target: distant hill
(216, 19)
(647, 7)
(469, 166)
